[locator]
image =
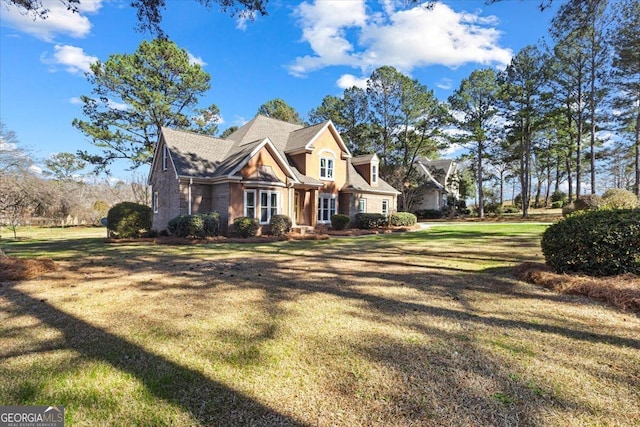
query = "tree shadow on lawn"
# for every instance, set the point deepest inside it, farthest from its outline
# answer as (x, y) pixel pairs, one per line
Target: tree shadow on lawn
(208, 401)
(287, 272)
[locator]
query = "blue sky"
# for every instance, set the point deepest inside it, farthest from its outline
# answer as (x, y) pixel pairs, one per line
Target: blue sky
(300, 52)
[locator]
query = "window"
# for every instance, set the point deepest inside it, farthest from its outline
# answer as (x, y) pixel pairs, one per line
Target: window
(326, 207)
(326, 168)
(362, 205)
(374, 174)
(385, 207)
(165, 155)
(268, 206)
(250, 203)
(154, 202)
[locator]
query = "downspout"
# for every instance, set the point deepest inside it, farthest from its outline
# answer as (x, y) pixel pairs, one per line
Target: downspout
(190, 183)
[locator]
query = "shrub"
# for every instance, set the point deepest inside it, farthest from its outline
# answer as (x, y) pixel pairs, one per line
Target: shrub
(128, 219)
(568, 209)
(559, 196)
(596, 243)
(340, 222)
(428, 213)
(280, 224)
(493, 209)
(618, 198)
(245, 226)
(370, 220)
(198, 226)
(402, 219)
(557, 204)
(588, 202)
(510, 209)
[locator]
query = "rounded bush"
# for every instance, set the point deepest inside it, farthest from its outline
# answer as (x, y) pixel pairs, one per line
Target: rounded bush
(245, 226)
(568, 209)
(402, 219)
(510, 209)
(557, 204)
(198, 226)
(618, 198)
(493, 209)
(340, 221)
(370, 220)
(596, 243)
(280, 225)
(588, 202)
(128, 219)
(559, 196)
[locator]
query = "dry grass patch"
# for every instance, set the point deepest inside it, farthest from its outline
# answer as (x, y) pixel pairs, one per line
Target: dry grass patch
(621, 291)
(12, 268)
(426, 328)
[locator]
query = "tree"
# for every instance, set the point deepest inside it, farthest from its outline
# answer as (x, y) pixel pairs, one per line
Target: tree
(149, 12)
(384, 90)
(350, 115)
(64, 166)
(584, 22)
(279, 109)
(135, 95)
(474, 106)
(521, 94)
(626, 74)
(570, 87)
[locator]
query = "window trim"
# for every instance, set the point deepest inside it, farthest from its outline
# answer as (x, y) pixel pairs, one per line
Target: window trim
(362, 205)
(333, 199)
(374, 173)
(154, 202)
(165, 157)
(385, 202)
(254, 203)
(270, 208)
(329, 157)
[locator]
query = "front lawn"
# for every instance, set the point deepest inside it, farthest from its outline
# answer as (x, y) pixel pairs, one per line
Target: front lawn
(422, 328)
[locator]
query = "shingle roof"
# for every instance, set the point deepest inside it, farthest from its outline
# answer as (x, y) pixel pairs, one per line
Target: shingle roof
(195, 155)
(260, 127)
(202, 156)
(363, 158)
(299, 139)
(356, 182)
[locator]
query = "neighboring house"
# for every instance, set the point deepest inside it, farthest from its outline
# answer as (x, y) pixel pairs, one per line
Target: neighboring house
(440, 181)
(266, 167)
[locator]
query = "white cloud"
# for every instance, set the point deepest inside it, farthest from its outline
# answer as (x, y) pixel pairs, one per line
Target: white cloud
(75, 100)
(196, 59)
(347, 81)
(342, 33)
(244, 19)
(71, 57)
(59, 20)
(444, 83)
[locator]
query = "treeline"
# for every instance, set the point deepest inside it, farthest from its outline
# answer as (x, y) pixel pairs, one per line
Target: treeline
(59, 195)
(564, 114)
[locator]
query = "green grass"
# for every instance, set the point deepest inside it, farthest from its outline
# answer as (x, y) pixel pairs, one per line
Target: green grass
(422, 328)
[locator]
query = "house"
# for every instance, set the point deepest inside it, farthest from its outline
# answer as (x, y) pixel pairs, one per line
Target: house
(439, 183)
(264, 168)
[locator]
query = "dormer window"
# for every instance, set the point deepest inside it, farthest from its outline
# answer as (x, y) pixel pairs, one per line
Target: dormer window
(326, 167)
(374, 174)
